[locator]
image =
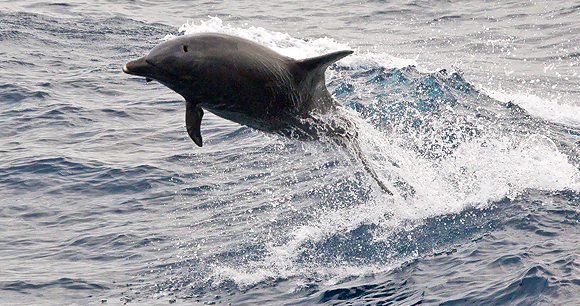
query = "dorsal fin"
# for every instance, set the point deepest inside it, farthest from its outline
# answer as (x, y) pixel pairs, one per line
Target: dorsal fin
(309, 77)
(321, 62)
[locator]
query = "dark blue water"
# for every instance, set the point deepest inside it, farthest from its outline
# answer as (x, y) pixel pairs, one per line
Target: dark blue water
(468, 111)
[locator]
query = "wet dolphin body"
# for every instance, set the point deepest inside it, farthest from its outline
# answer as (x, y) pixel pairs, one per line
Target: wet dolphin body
(250, 84)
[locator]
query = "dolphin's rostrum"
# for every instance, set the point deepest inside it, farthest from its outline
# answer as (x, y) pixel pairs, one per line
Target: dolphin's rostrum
(250, 84)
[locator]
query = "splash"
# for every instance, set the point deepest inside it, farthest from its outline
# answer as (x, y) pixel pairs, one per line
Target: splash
(549, 109)
(445, 147)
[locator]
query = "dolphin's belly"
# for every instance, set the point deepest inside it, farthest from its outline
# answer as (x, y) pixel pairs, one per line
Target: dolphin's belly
(282, 124)
(263, 124)
(292, 126)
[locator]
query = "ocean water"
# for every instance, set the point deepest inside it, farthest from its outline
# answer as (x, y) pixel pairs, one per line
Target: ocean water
(469, 111)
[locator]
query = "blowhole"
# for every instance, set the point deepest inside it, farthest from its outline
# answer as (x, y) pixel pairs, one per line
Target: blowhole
(184, 48)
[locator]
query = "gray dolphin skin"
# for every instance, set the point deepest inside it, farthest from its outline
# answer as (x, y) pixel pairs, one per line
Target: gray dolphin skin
(250, 84)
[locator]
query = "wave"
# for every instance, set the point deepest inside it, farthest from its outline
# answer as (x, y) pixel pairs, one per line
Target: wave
(552, 110)
(75, 284)
(63, 176)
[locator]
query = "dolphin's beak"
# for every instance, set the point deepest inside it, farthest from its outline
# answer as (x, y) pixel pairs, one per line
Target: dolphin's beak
(125, 69)
(139, 67)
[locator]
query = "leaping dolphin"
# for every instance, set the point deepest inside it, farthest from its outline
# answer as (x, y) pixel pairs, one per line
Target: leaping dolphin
(250, 84)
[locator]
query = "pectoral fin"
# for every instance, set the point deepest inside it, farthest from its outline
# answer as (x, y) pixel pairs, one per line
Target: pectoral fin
(193, 115)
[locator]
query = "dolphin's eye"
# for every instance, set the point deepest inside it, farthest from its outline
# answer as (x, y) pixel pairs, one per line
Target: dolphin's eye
(184, 48)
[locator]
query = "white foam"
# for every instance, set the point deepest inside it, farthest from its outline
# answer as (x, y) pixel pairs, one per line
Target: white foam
(490, 169)
(550, 109)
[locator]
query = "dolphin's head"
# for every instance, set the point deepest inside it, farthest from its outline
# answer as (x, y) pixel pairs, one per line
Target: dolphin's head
(176, 63)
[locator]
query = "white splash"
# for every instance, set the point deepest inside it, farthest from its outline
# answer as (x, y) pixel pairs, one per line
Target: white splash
(552, 110)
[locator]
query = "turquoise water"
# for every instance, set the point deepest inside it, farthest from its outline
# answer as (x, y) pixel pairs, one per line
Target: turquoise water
(468, 111)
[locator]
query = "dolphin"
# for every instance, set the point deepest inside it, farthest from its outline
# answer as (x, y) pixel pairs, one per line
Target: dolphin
(250, 84)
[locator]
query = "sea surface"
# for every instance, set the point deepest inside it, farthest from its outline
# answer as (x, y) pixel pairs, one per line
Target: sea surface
(468, 110)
